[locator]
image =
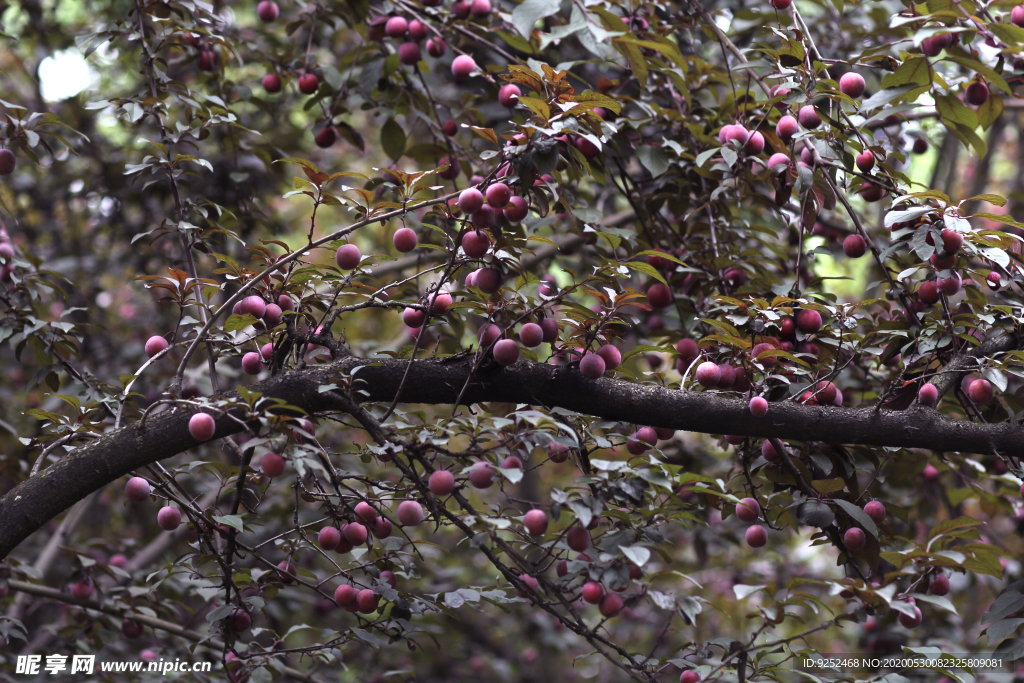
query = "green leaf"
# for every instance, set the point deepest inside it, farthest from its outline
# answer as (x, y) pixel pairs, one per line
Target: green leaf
(392, 139)
(743, 591)
(528, 13)
(637, 554)
(950, 108)
(653, 158)
(859, 516)
(646, 269)
(237, 322)
(233, 521)
(915, 71)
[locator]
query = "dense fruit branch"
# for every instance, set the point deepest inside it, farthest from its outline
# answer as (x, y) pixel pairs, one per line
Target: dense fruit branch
(38, 499)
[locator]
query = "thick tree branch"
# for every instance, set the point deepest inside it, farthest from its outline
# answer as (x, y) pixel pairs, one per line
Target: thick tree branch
(38, 499)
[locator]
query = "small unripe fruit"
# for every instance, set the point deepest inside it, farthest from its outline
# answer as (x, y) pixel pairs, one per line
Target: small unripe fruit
(137, 489)
(329, 538)
(405, 240)
(7, 162)
(509, 94)
(396, 27)
(786, 128)
(866, 161)
(481, 476)
(272, 465)
(536, 522)
(659, 296)
(578, 538)
(611, 604)
(531, 335)
(267, 10)
(252, 363)
(708, 374)
(409, 53)
(854, 246)
(852, 84)
(82, 590)
(748, 510)
(928, 394)
(169, 518)
(410, 513)
(939, 585)
(462, 67)
(756, 536)
(592, 592)
(876, 511)
(155, 345)
(436, 49)
(980, 391)
(506, 352)
(498, 195)
(854, 539)
(976, 94)
(758, 406)
(592, 366)
(367, 601)
(809, 117)
(610, 355)
(308, 83)
(808, 321)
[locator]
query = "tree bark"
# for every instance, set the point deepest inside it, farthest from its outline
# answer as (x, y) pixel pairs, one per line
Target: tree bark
(85, 469)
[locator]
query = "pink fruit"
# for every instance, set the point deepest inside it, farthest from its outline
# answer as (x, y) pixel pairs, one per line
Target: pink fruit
(592, 366)
(470, 200)
(928, 394)
(329, 538)
(488, 280)
(417, 30)
(808, 321)
(7, 162)
(754, 145)
(82, 590)
(272, 465)
(854, 246)
(286, 571)
(531, 583)
(480, 8)
(852, 84)
(976, 94)
(870, 192)
(930, 473)
(169, 518)
(155, 345)
(241, 620)
(413, 317)
(949, 285)
(207, 60)
(382, 527)
(866, 161)
(592, 592)
(498, 195)
(439, 302)
(308, 83)
(536, 522)
(355, 533)
(506, 352)
(907, 621)
(939, 585)
(441, 482)
(728, 376)
(756, 536)
(508, 96)
(367, 601)
(254, 306)
(659, 296)
(518, 211)
(550, 327)
(778, 160)
(854, 539)
(952, 241)
(119, 561)
(809, 117)
(708, 374)
(748, 510)
(779, 4)
(531, 335)
(345, 595)
(481, 476)
(512, 462)
(267, 10)
(396, 27)
(462, 67)
(1017, 15)
(488, 335)
(476, 243)
(436, 47)
(994, 279)
(365, 512)
(928, 292)
(252, 363)
(272, 315)
(410, 513)
(610, 355)
(980, 391)
(409, 53)
(611, 604)
(326, 137)
(587, 148)
(405, 240)
(876, 511)
(691, 676)
(578, 538)
(687, 348)
(137, 490)
(758, 406)
(787, 127)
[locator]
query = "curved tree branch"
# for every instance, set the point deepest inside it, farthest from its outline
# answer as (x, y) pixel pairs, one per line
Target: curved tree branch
(38, 499)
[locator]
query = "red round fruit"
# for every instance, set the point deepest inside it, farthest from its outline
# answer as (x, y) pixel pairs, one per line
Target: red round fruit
(1017, 15)
(355, 533)
(488, 335)
(506, 352)
(367, 601)
(748, 510)
(439, 302)
(436, 48)
(155, 345)
(587, 148)
(928, 292)
(659, 295)
(509, 95)
(550, 327)
(441, 482)
(382, 527)
(462, 67)
(592, 592)
(758, 406)
(952, 241)
(976, 94)
(578, 538)
(82, 590)
(709, 374)
(610, 355)
(981, 391)
(480, 8)
(852, 84)
(207, 60)
(950, 285)
(413, 317)
(994, 280)
(876, 511)
(366, 513)
(592, 366)
(267, 10)
(450, 127)
(768, 452)
(691, 676)
(808, 117)
(169, 518)
(286, 571)
(131, 629)
(754, 145)
(329, 538)
(409, 53)
(241, 620)
(611, 604)
(939, 585)
(756, 536)
(518, 211)
(481, 475)
(476, 243)
(536, 522)
(866, 161)
(410, 513)
(345, 595)
(498, 195)
(854, 246)
(396, 27)
(786, 128)
(417, 30)
(780, 4)
(687, 348)
(308, 83)
(908, 621)
(928, 394)
(531, 335)
(854, 539)
(778, 160)
(272, 83)
(405, 240)
(272, 465)
(348, 256)
(470, 200)
(808, 321)
(870, 192)
(252, 363)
